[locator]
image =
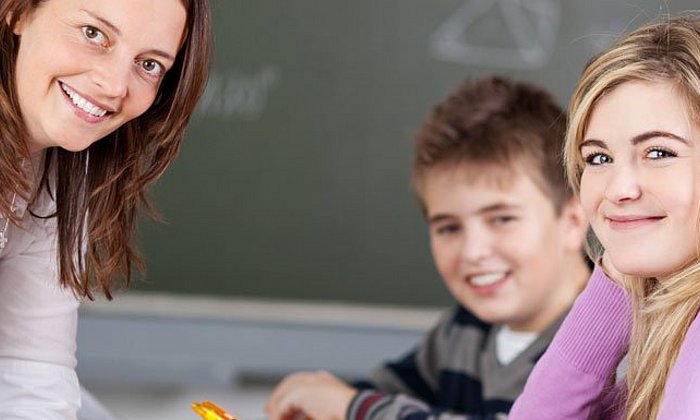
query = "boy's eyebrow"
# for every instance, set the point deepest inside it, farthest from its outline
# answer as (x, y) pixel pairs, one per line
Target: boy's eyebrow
(498, 207)
(439, 218)
(639, 138)
(117, 31)
(487, 209)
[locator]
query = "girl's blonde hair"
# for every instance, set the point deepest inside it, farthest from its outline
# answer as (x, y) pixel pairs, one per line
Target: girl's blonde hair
(667, 51)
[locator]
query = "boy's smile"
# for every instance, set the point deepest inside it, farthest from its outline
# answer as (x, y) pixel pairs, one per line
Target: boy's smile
(488, 283)
(500, 247)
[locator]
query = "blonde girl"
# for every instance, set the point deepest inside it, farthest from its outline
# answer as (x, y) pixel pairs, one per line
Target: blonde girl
(633, 157)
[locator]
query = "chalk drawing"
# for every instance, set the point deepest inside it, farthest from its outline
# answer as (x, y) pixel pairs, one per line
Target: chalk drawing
(530, 27)
(235, 95)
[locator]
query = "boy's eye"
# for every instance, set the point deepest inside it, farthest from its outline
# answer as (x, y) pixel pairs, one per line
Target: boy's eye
(597, 159)
(447, 229)
(502, 220)
(93, 34)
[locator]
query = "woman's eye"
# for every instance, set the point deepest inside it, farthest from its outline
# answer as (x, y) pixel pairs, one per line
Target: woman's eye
(153, 67)
(597, 159)
(93, 34)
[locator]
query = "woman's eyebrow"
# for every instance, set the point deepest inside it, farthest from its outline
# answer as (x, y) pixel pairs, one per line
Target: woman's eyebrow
(104, 21)
(117, 31)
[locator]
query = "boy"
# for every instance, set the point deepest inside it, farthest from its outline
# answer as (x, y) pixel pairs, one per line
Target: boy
(506, 236)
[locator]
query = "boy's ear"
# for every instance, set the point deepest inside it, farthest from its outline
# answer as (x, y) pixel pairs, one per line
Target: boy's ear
(575, 225)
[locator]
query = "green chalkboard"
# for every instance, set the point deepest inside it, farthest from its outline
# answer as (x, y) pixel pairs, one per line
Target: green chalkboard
(293, 182)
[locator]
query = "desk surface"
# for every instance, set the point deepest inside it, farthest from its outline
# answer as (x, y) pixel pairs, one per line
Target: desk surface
(173, 403)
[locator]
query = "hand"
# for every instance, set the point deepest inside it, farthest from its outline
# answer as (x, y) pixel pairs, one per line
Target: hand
(315, 395)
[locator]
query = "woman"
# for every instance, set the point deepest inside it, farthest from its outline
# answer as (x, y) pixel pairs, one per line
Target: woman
(94, 99)
(633, 156)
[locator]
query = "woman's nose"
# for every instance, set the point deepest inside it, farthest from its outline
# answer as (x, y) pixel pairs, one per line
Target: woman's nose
(112, 77)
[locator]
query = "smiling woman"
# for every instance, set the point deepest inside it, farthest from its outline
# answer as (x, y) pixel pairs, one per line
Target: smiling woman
(94, 100)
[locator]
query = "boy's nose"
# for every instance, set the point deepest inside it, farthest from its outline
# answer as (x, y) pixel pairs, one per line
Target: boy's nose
(475, 248)
(623, 185)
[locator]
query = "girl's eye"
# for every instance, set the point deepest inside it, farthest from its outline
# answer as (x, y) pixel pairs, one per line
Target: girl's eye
(659, 154)
(597, 159)
(93, 34)
(152, 67)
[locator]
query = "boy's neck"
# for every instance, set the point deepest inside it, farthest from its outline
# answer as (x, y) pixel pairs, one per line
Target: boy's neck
(574, 276)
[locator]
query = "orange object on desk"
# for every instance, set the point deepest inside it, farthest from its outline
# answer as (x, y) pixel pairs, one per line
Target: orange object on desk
(210, 411)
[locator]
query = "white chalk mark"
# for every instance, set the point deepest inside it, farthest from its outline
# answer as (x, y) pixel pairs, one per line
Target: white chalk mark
(530, 25)
(234, 95)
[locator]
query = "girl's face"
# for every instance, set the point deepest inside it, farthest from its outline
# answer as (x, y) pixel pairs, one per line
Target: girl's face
(85, 67)
(641, 181)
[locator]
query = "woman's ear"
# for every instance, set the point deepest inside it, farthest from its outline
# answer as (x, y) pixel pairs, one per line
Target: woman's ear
(19, 24)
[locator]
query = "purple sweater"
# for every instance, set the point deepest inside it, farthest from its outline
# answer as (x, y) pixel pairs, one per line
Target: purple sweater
(575, 378)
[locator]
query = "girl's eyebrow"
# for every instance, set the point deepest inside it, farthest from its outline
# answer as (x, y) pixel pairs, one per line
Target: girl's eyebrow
(592, 143)
(639, 138)
(117, 31)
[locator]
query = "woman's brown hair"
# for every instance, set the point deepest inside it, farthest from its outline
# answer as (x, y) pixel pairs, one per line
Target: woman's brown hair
(98, 190)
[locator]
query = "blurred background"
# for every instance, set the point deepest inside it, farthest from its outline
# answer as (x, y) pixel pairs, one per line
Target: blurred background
(293, 239)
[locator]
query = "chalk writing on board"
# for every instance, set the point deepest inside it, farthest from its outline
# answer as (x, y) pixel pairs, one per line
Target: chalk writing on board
(236, 95)
(510, 34)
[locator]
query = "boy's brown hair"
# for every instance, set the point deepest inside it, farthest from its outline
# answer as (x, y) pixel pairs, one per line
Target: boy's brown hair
(495, 122)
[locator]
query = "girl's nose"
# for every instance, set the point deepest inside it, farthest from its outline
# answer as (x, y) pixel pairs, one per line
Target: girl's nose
(623, 184)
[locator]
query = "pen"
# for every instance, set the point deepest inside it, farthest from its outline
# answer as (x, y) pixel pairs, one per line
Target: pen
(210, 411)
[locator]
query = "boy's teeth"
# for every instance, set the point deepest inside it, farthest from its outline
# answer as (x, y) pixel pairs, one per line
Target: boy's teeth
(83, 103)
(487, 279)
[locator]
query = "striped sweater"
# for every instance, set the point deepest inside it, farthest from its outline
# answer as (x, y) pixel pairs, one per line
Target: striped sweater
(453, 374)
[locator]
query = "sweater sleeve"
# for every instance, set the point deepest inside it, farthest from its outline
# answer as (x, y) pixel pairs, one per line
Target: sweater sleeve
(575, 377)
(416, 373)
(375, 405)
(681, 400)
(407, 388)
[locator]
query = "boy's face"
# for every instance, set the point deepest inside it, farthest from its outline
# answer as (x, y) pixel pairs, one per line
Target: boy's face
(501, 249)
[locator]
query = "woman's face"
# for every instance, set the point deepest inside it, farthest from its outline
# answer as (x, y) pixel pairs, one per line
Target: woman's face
(641, 181)
(86, 67)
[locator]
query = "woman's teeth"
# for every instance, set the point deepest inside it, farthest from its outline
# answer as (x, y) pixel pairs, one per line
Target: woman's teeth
(83, 103)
